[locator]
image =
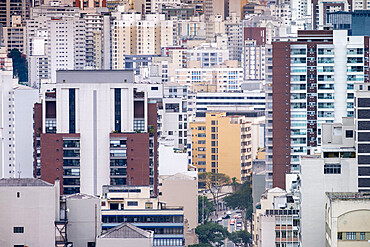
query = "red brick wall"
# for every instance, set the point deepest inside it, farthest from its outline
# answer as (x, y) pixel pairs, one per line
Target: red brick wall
(281, 112)
(256, 33)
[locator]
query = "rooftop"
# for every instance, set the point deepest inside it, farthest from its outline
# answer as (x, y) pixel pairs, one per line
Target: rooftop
(126, 230)
(348, 195)
(23, 182)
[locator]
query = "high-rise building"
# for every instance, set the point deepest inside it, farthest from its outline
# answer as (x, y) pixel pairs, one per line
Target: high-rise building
(98, 128)
(234, 28)
(313, 81)
(15, 36)
(222, 144)
(354, 21)
(55, 41)
(226, 77)
(362, 135)
(97, 39)
(16, 126)
(136, 34)
(9, 8)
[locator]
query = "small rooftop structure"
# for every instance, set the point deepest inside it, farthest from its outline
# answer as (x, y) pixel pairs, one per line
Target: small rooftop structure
(23, 182)
(127, 230)
(348, 195)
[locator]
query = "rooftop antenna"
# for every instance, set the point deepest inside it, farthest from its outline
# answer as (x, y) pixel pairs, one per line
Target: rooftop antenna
(19, 170)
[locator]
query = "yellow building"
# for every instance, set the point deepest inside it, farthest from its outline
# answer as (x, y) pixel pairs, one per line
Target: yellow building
(222, 144)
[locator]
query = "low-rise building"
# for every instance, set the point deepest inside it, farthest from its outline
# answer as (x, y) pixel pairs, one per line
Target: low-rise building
(347, 219)
(276, 220)
(133, 204)
(126, 235)
(331, 169)
(28, 211)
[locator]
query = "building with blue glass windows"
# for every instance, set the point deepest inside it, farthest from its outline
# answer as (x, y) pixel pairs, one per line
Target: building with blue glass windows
(134, 205)
(354, 22)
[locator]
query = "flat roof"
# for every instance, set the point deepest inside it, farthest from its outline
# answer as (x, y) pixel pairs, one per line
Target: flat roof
(95, 76)
(23, 182)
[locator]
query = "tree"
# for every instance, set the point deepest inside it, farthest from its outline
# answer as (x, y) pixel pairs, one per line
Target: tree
(214, 183)
(201, 245)
(235, 183)
(211, 233)
(240, 238)
(241, 199)
(208, 209)
(20, 68)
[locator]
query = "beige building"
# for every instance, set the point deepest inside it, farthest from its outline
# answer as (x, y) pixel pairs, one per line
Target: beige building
(169, 187)
(28, 211)
(15, 35)
(136, 34)
(222, 144)
(347, 217)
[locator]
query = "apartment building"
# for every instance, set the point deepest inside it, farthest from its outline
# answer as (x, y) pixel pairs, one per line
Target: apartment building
(226, 77)
(97, 35)
(16, 126)
(172, 115)
(331, 168)
(15, 36)
(208, 54)
(201, 102)
(98, 128)
(362, 135)
(55, 41)
(312, 83)
(234, 32)
(276, 220)
(222, 144)
(346, 218)
(321, 8)
(136, 34)
(9, 8)
(133, 204)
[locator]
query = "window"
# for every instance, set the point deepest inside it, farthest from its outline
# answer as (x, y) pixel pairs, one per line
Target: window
(339, 235)
(18, 229)
(18, 194)
(362, 236)
(114, 206)
(132, 203)
(349, 133)
(351, 236)
(332, 169)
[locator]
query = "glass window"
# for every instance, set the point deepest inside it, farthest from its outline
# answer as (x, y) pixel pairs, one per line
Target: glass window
(332, 169)
(351, 236)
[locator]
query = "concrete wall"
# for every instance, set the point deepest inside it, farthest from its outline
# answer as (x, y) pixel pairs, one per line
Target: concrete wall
(84, 220)
(314, 184)
(24, 99)
(181, 190)
(34, 210)
(130, 242)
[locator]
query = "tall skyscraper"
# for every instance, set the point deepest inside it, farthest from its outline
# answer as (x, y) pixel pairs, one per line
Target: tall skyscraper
(313, 83)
